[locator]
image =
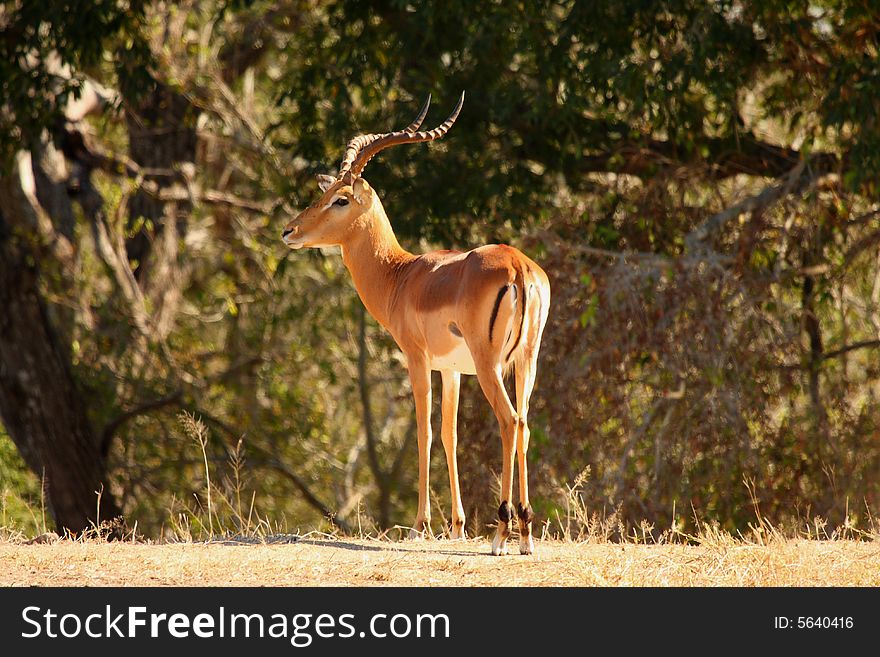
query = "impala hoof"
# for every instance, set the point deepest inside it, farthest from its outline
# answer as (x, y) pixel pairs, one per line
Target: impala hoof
(420, 530)
(499, 546)
(457, 532)
(526, 545)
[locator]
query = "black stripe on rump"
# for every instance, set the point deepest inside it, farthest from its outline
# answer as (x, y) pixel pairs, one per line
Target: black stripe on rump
(522, 320)
(495, 309)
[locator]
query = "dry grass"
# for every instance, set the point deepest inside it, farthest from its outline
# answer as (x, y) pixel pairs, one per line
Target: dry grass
(327, 561)
(578, 548)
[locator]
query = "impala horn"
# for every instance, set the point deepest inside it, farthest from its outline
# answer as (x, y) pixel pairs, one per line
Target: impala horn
(363, 148)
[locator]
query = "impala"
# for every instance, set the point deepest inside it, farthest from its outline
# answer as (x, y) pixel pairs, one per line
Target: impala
(481, 312)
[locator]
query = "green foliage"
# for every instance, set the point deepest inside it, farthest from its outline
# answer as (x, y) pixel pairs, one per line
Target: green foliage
(551, 82)
(36, 38)
(20, 497)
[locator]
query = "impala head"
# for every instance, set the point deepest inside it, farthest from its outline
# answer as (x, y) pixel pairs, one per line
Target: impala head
(347, 197)
(328, 221)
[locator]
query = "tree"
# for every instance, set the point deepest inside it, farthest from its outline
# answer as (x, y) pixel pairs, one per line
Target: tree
(53, 58)
(40, 403)
(562, 90)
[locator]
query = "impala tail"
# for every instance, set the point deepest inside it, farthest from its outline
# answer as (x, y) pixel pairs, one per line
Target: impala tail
(507, 321)
(519, 320)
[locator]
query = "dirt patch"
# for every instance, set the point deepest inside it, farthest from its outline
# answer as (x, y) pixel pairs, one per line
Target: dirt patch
(308, 561)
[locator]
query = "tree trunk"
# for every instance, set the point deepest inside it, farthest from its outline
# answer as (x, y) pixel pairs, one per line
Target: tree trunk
(813, 330)
(161, 136)
(40, 406)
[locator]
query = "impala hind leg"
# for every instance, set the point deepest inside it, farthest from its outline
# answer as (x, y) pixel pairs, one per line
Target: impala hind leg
(491, 382)
(449, 434)
(525, 382)
(526, 370)
(420, 379)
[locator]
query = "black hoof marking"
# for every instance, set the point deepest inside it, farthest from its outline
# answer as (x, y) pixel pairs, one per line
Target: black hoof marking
(525, 515)
(505, 512)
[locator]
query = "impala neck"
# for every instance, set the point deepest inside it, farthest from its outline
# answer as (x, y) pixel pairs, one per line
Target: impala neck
(375, 258)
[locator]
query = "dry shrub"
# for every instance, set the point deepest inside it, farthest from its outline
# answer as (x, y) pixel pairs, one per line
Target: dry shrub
(674, 379)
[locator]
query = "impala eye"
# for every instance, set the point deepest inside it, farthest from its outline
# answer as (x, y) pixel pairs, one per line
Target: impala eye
(341, 202)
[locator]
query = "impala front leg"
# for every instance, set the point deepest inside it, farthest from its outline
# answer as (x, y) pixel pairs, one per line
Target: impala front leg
(420, 378)
(449, 434)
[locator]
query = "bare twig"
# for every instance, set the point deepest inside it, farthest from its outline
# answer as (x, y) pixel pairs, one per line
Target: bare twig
(864, 243)
(141, 409)
(277, 465)
(794, 181)
(836, 353)
(208, 196)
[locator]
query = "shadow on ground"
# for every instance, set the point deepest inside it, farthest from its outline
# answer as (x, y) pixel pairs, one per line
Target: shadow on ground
(429, 546)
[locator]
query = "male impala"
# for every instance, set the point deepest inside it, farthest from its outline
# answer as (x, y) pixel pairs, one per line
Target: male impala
(479, 312)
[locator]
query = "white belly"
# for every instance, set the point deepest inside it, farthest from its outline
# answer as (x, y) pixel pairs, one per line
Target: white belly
(458, 360)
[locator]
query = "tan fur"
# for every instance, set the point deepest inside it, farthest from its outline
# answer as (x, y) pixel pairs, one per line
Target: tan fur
(417, 298)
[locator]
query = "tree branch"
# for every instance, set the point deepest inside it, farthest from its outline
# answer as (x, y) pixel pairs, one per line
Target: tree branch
(794, 181)
(37, 219)
(111, 249)
(281, 468)
(92, 156)
(863, 244)
(836, 353)
(722, 157)
(142, 409)
(209, 197)
(863, 344)
(307, 494)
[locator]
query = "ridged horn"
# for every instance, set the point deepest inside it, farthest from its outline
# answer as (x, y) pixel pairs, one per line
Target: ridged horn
(417, 122)
(357, 144)
(362, 149)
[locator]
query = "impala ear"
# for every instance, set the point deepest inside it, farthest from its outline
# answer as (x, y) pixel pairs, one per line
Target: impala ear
(360, 189)
(325, 181)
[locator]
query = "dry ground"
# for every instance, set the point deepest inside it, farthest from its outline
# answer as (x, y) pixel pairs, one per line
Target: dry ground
(320, 561)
